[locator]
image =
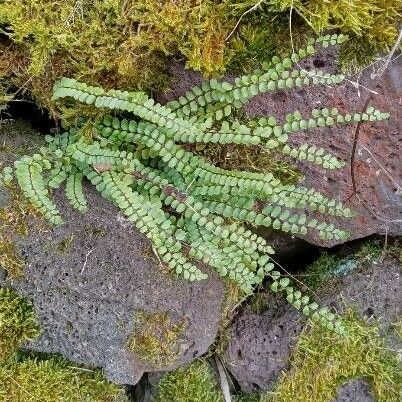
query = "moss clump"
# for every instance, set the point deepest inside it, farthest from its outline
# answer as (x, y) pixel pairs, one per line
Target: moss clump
(17, 322)
(156, 338)
(63, 246)
(114, 43)
(254, 397)
(323, 361)
(373, 24)
(193, 383)
(50, 380)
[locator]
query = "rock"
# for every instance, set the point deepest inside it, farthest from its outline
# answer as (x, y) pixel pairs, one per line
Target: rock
(261, 344)
(90, 278)
(356, 391)
(370, 182)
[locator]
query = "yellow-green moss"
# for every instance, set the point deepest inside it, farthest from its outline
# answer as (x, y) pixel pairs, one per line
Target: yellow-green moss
(323, 361)
(193, 383)
(53, 379)
(114, 42)
(251, 158)
(17, 322)
(64, 245)
(15, 219)
(156, 338)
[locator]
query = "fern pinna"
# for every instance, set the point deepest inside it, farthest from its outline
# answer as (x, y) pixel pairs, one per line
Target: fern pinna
(192, 211)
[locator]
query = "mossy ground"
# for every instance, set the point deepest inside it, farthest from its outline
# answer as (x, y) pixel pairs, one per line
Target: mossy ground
(156, 338)
(17, 322)
(323, 361)
(34, 380)
(193, 383)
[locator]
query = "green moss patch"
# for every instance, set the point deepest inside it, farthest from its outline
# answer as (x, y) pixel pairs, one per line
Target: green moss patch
(17, 322)
(193, 383)
(323, 361)
(50, 380)
(113, 43)
(156, 338)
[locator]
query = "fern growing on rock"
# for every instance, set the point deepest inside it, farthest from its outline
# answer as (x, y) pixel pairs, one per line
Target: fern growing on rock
(192, 211)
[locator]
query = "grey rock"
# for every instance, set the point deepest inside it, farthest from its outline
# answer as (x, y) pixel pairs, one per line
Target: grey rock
(354, 391)
(88, 278)
(261, 344)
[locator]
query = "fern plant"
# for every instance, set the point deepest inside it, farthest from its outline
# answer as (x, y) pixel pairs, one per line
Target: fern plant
(192, 211)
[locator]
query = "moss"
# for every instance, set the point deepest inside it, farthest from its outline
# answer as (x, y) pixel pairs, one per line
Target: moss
(335, 265)
(259, 303)
(64, 245)
(114, 43)
(32, 378)
(320, 270)
(14, 220)
(372, 24)
(254, 397)
(53, 379)
(323, 361)
(251, 158)
(193, 383)
(127, 44)
(156, 338)
(95, 231)
(17, 322)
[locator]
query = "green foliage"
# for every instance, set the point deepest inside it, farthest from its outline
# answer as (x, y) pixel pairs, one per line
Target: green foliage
(193, 383)
(17, 322)
(32, 379)
(323, 361)
(192, 211)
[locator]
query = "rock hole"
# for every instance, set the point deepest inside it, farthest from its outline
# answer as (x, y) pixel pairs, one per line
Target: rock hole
(369, 312)
(26, 109)
(319, 63)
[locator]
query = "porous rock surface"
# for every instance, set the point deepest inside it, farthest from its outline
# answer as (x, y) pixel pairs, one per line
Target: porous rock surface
(356, 391)
(88, 278)
(370, 183)
(261, 344)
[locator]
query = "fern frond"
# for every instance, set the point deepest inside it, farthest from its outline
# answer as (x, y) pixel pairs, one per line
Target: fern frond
(75, 193)
(28, 171)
